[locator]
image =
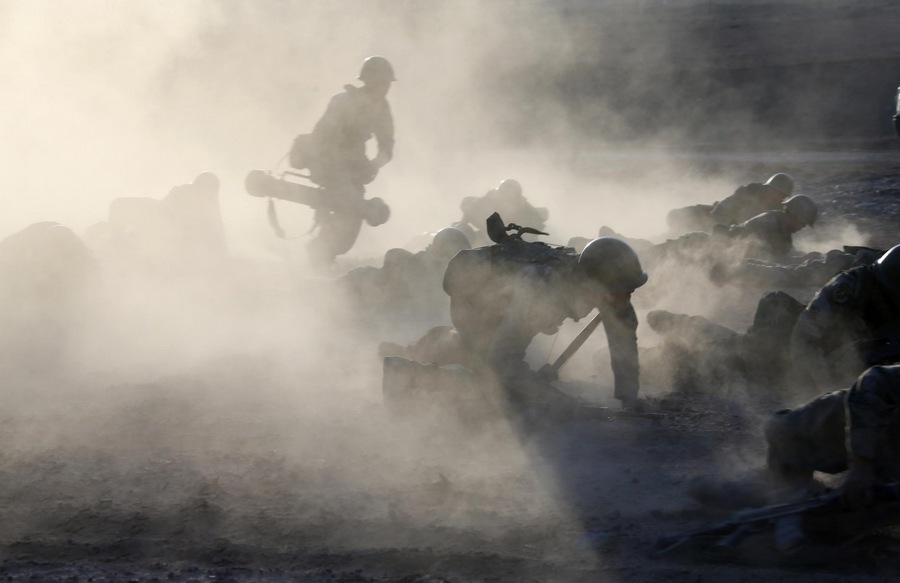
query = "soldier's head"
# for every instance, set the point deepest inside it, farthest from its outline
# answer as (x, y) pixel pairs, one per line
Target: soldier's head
(377, 74)
(887, 270)
(614, 265)
(207, 182)
(509, 188)
(446, 243)
(783, 183)
(802, 210)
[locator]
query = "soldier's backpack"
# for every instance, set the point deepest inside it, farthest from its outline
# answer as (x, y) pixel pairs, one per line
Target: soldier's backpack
(301, 154)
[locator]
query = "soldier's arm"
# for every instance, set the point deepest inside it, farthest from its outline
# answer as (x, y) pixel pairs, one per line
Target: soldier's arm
(871, 404)
(384, 136)
(620, 323)
(813, 272)
(807, 355)
(725, 210)
(830, 309)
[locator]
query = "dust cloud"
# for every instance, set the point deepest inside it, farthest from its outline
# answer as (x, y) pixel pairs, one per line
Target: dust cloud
(237, 396)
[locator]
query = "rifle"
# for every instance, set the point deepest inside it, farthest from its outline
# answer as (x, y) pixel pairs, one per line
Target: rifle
(733, 531)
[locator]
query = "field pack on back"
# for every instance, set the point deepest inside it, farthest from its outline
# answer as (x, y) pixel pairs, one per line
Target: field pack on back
(510, 256)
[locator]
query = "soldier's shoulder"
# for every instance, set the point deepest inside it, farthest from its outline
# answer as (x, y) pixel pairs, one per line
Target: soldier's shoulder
(849, 287)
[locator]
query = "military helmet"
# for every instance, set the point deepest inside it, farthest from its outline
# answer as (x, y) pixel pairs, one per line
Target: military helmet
(887, 269)
(613, 263)
(448, 242)
(376, 69)
(781, 182)
(802, 207)
(206, 181)
(509, 187)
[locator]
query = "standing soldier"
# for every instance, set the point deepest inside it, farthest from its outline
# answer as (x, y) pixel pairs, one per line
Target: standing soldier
(335, 154)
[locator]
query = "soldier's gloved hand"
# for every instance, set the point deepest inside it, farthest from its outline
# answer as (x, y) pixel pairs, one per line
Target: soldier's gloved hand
(859, 483)
(548, 373)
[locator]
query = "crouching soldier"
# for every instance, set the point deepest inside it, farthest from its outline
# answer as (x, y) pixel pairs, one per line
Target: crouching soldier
(501, 297)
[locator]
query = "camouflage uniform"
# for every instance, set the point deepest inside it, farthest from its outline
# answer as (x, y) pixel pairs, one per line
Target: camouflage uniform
(863, 420)
(338, 163)
(851, 324)
(501, 297)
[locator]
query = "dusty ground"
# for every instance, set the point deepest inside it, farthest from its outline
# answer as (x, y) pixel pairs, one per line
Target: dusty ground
(191, 477)
(242, 469)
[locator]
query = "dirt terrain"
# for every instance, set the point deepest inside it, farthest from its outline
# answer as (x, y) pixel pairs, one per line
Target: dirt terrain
(190, 477)
(279, 463)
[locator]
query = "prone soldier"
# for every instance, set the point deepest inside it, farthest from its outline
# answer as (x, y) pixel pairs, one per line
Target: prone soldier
(407, 288)
(767, 236)
(508, 201)
(814, 272)
(746, 202)
(700, 355)
(182, 232)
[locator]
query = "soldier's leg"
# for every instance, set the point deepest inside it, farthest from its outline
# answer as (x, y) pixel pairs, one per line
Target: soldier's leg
(440, 345)
(424, 392)
(807, 439)
(691, 218)
(339, 228)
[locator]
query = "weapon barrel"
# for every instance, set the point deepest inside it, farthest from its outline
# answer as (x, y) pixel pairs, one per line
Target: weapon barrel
(258, 183)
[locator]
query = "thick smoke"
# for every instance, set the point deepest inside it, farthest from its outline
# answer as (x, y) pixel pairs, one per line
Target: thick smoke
(246, 390)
